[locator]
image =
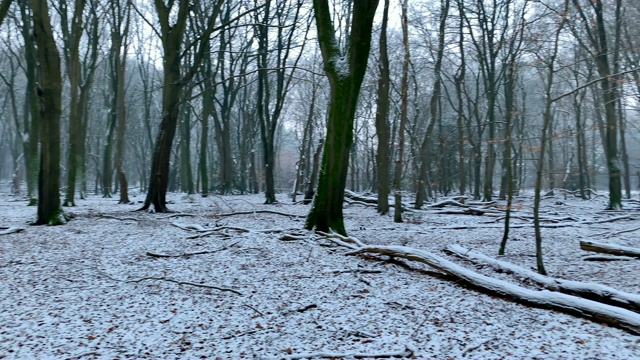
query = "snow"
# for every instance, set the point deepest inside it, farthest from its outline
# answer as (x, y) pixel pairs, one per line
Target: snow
(88, 289)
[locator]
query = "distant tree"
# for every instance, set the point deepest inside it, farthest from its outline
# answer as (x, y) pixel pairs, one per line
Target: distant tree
(382, 117)
(345, 71)
(173, 23)
(592, 18)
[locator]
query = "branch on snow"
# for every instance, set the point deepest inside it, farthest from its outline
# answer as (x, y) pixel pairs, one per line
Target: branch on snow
(406, 353)
(611, 249)
(191, 254)
(10, 230)
(591, 291)
(615, 316)
(188, 283)
(260, 212)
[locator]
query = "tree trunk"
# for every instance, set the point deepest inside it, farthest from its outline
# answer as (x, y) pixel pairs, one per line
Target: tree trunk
(345, 72)
(311, 183)
(382, 118)
(31, 106)
(50, 94)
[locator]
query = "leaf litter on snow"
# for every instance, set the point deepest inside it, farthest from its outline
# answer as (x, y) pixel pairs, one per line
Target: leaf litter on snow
(89, 289)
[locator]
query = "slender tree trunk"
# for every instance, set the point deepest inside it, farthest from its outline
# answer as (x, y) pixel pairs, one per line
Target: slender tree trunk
(32, 105)
(382, 118)
(397, 179)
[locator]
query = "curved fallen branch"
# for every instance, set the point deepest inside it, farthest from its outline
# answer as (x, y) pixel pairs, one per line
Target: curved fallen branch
(592, 291)
(612, 315)
(611, 249)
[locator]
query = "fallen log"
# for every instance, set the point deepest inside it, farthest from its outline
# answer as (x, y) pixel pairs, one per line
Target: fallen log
(10, 230)
(612, 315)
(611, 249)
(592, 291)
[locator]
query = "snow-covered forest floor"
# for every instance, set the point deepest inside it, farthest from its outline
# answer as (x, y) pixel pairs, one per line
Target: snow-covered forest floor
(116, 284)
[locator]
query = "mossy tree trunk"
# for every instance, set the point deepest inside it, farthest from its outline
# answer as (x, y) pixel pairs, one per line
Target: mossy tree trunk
(345, 71)
(50, 94)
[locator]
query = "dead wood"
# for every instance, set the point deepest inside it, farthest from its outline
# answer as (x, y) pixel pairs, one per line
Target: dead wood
(612, 315)
(259, 212)
(10, 230)
(105, 216)
(606, 258)
(155, 255)
(218, 230)
(615, 233)
(406, 353)
(611, 249)
(188, 283)
(592, 291)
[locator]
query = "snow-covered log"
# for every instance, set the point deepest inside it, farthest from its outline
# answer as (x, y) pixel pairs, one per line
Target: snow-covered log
(611, 315)
(609, 248)
(592, 291)
(10, 230)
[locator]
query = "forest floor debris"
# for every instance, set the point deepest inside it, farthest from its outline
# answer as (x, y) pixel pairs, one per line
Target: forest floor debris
(71, 291)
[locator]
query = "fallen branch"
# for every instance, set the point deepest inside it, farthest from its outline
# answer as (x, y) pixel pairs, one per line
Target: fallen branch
(11, 230)
(608, 235)
(177, 215)
(260, 212)
(615, 316)
(187, 283)
(190, 254)
(406, 353)
(341, 240)
(105, 216)
(610, 249)
(218, 229)
(592, 291)
(606, 258)
(190, 227)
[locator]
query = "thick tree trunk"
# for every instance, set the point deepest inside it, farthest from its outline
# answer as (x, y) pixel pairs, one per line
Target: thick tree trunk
(345, 71)
(50, 94)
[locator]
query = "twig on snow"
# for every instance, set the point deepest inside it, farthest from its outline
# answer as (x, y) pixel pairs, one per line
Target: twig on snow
(474, 347)
(260, 212)
(187, 283)
(191, 254)
(105, 216)
(407, 352)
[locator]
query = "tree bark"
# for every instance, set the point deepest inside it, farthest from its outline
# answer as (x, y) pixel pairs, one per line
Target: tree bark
(382, 117)
(50, 94)
(345, 72)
